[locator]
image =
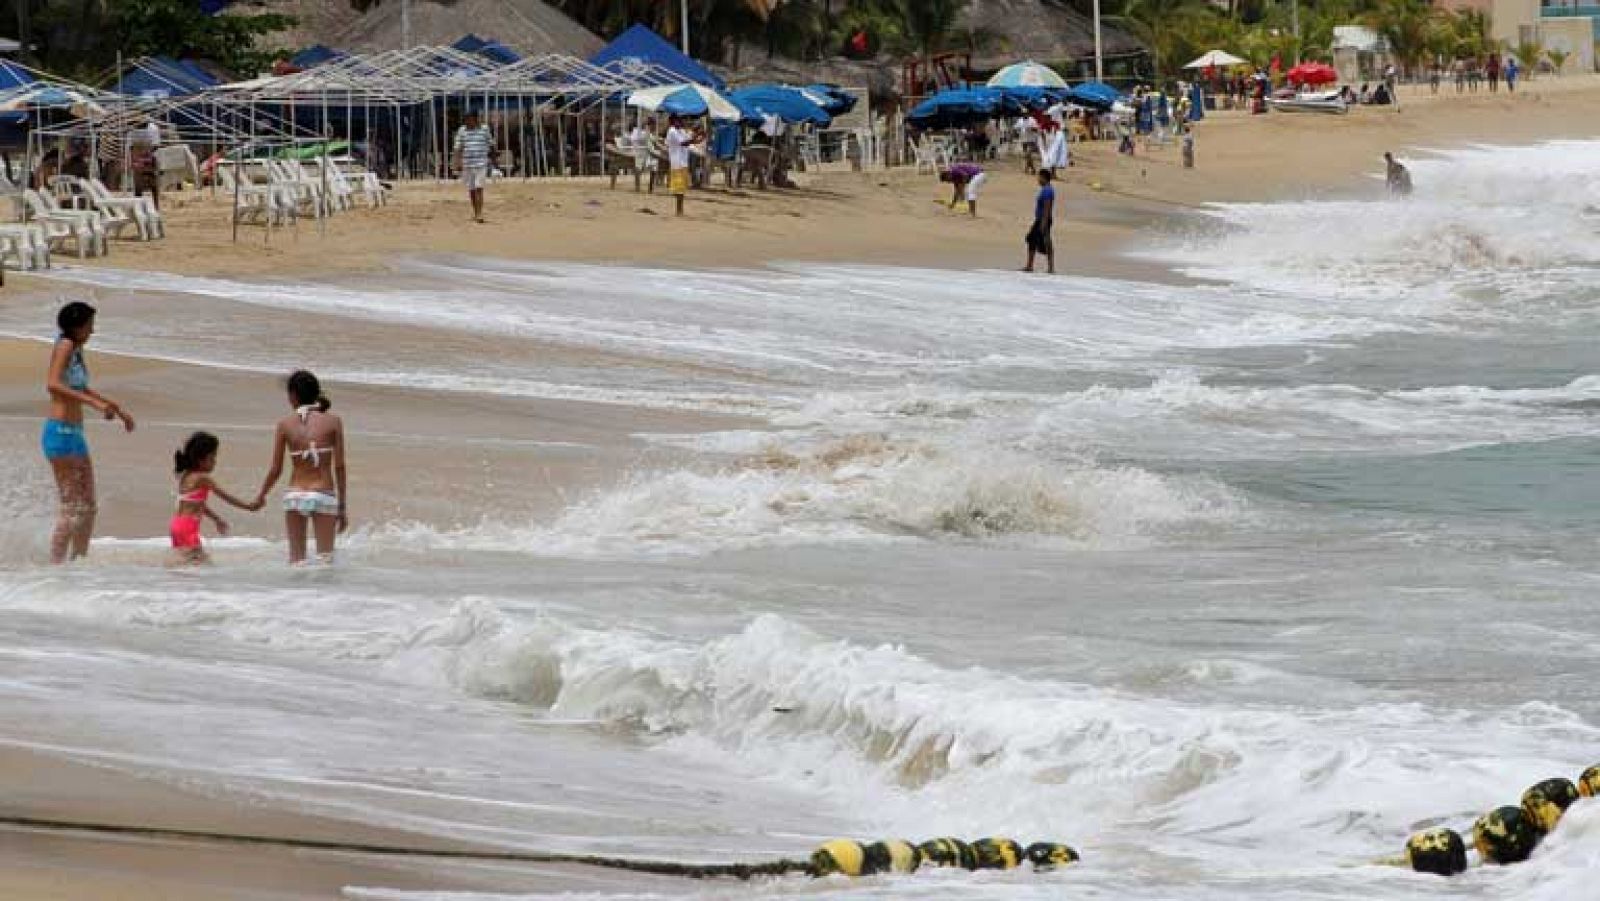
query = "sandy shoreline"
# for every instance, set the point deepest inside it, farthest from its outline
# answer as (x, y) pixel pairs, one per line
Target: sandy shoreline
(554, 451)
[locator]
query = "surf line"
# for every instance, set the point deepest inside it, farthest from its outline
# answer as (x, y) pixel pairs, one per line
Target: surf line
(838, 857)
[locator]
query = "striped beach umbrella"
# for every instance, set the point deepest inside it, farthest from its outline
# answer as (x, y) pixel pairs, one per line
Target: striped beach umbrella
(1027, 74)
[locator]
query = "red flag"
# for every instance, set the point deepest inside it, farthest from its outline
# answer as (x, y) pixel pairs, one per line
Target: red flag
(858, 42)
(1277, 64)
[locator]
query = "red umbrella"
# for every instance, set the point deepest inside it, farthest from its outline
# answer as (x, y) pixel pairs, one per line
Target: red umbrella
(1313, 73)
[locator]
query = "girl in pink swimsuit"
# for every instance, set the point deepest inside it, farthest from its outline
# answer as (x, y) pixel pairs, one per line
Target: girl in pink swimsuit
(193, 465)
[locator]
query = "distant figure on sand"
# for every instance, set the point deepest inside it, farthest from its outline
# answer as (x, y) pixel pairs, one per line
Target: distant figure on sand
(1044, 218)
(679, 139)
(965, 179)
(318, 488)
(1397, 178)
(474, 150)
(1053, 152)
(67, 382)
(1512, 70)
(193, 464)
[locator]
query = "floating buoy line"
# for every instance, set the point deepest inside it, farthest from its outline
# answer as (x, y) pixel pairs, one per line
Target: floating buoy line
(1505, 835)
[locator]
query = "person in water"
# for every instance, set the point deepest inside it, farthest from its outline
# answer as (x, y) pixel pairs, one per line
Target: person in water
(67, 382)
(194, 463)
(1396, 176)
(318, 491)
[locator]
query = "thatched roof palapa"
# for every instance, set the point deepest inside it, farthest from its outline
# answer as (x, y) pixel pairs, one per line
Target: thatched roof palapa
(529, 27)
(1048, 31)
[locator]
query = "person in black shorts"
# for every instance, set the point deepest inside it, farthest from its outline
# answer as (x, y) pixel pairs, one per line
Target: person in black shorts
(1044, 217)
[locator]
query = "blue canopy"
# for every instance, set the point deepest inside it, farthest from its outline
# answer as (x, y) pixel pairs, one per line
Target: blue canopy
(840, 100)
(787, 103)
(645, 45)
(684, 102)
(160, 76)
(314, 56)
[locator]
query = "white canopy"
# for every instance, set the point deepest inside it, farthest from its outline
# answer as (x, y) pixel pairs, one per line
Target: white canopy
(1218, 58)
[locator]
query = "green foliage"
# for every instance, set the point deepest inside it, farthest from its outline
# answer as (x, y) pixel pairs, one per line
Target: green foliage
(1558, 58)
(1409, 26)
(1529, 52)
(84, 37)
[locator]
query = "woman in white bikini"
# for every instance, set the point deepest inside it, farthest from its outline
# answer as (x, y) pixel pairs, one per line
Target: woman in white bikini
(313, 439)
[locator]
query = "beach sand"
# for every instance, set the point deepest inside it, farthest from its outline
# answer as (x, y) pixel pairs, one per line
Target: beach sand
(545, 453)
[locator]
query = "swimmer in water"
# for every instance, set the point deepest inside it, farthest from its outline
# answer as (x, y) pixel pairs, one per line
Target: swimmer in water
(318, 490)
(194, 463)
(1397, 177)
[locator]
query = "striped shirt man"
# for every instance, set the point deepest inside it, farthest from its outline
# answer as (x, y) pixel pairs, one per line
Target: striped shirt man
(473, 145)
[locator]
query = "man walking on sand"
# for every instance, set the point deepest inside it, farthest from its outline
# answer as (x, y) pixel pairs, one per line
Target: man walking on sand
(1044, 217)
(474, 148)
(678, 140)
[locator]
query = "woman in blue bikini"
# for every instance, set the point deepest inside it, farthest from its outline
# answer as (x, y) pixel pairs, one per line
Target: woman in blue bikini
(313, 439)
(64, 446)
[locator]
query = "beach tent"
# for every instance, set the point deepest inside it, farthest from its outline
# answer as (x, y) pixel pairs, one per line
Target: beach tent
(1027, 74)
(647, 48)
(1219, 59)
(789, 104)
(49, 97)
(13, 75)
(315, 55)
(685, 100)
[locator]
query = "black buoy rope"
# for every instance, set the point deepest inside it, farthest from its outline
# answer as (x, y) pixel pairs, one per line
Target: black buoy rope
(658, 867)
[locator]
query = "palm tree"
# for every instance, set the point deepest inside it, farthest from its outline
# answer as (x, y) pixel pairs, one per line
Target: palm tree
(1407, 25)
(1558, 58)
(1528, 52)
(1163, 25)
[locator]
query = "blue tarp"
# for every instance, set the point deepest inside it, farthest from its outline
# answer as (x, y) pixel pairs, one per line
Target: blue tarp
(643, 44)
(488, 49)
(314, 56)
(160, 76)
(779, 100)
(13, 76)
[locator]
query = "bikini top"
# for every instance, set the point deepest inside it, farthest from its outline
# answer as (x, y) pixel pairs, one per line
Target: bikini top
(197, 496)
(77, 374)
(312, 451)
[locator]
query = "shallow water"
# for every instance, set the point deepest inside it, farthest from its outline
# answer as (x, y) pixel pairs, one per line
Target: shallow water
(1230, 586)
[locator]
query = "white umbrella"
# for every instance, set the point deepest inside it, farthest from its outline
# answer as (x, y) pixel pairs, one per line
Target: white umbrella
(1027, 74)
(717, 106)
(1217, 58)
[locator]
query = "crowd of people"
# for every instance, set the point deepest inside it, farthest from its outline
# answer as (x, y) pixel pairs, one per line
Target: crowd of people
(1470, 74)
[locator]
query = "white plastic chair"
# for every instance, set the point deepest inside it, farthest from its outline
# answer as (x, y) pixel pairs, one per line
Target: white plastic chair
(60, 226)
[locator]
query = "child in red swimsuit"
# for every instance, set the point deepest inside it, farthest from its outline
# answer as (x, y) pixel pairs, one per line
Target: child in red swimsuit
(193, 465)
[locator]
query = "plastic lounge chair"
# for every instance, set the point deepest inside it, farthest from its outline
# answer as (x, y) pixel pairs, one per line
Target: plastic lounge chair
(257, 203)
(117, 212)
(82, 228)
(151, 223)
(27, 243)
(109, 222)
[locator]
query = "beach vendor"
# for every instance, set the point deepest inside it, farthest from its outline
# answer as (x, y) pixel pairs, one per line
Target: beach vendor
(679, 139)
(474, 151)
(67, 382)
(965, 179)
(319, 490)
(1044, 213)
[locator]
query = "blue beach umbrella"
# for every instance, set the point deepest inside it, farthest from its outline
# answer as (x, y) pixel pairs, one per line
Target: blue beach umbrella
(1094, 94)
(836, 100)
(789, 104)
(956, 106)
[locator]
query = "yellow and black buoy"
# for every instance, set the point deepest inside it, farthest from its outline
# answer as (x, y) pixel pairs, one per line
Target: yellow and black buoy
(1442, 851)
(1545, 802)
(839, 856)
(1505, 835)
(1049, 855)
(1589, 782)
(947, 852)
(997, 854)
(891, 856)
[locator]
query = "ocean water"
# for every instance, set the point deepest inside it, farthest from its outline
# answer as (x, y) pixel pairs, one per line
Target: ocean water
(1230, 585)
